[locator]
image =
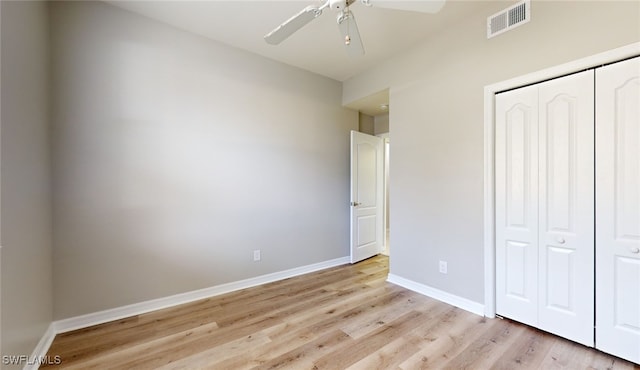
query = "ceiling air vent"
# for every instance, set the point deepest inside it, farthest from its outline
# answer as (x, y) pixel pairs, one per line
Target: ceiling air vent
(509, 18)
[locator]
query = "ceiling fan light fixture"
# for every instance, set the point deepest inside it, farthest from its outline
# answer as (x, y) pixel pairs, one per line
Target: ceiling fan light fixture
(346, 20)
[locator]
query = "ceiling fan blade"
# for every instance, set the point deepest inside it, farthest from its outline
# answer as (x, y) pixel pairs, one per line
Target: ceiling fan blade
(291, 25)
(350, 34)
(423, 6)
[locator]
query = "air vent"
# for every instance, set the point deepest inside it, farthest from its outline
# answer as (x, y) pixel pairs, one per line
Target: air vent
(509, 18)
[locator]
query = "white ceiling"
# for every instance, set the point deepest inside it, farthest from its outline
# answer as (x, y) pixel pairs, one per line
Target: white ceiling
(318, 46)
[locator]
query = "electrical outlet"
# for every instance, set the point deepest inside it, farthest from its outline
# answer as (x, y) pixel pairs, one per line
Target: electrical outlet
(443, 267)
(256, 255)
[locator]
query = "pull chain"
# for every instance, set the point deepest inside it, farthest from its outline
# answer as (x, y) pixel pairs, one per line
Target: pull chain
(347, 38)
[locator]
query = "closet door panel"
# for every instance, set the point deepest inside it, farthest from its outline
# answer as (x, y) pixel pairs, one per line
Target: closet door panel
(517, 204)
(566, 207)
(618, 209)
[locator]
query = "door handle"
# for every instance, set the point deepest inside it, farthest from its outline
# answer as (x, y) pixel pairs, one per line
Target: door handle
(560, 240)
(635, 250)
(355, 204)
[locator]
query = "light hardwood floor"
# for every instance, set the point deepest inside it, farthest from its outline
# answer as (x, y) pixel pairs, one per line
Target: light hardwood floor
(344, 317)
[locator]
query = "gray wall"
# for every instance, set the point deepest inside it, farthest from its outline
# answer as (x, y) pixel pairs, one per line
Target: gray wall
(381, 124)
(175, 157)
(366, 123)
(436, 121)
(26, 207)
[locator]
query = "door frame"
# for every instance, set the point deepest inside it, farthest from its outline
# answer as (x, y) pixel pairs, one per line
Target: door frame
(385, 189)
(607, 57)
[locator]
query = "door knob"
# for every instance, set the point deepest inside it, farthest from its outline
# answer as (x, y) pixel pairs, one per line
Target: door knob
(560, 240)
(635, 250)
(355, 204)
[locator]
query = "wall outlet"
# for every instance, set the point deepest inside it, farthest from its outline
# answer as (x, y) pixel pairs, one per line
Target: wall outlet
(443, 267)
(256, 255)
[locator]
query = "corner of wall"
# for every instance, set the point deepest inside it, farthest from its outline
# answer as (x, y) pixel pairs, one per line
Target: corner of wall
(25, 192)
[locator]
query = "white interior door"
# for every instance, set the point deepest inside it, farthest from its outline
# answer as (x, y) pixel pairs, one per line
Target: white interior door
(618, 209)
(367, 196)
(517, 204)
(566, 207)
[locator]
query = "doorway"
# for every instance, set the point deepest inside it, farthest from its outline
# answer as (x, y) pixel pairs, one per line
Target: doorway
(374, 120)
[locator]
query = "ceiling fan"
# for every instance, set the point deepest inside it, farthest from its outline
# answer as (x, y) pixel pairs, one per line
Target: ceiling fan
(346, 21)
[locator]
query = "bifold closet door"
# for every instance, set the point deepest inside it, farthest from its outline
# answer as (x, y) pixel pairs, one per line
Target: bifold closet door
(618, 209)
(544, 206)
(516, 222)
(566, 207)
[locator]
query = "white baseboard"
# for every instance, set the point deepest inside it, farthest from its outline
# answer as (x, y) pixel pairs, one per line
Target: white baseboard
(40, 352)
(83, 321)
(454, 300)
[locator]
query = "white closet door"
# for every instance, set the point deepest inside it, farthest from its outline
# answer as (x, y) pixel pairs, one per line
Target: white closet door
(545, 207)
(517, 204)
(566, 207)
(618, 209)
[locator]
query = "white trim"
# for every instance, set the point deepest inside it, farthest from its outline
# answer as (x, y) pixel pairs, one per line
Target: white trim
(385, 181)
(40, 352)
(454, 300)
(593, 61)
(489, 204)
(100, 317)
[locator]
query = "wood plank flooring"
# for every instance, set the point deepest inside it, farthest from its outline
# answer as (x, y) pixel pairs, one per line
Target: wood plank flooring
(346, 317)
